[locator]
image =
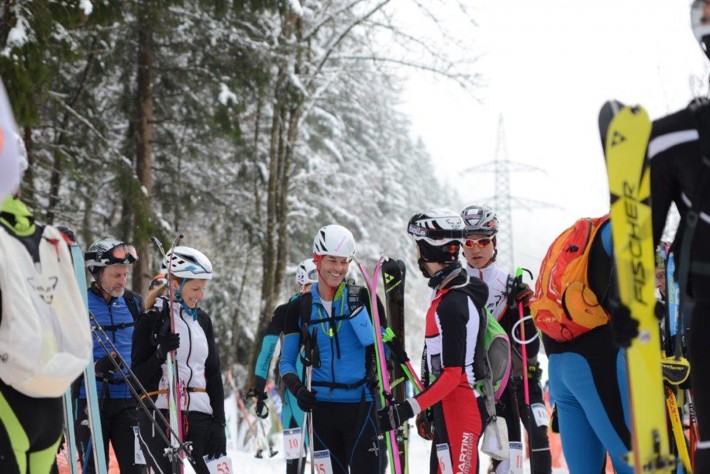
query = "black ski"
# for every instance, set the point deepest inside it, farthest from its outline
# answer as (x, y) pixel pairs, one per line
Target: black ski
(393, 274)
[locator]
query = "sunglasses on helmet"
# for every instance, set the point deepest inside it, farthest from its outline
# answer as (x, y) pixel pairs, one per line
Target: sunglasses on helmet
(121, 254)
(480, 243)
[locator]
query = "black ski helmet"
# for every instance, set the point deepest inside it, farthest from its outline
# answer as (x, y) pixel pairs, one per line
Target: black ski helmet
(438, 234)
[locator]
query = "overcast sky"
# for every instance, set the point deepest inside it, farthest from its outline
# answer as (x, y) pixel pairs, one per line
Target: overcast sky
(548, 66)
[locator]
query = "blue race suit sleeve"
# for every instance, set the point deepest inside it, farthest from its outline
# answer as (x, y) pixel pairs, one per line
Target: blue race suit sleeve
(268, 346)
(292, 338)
(263, 361)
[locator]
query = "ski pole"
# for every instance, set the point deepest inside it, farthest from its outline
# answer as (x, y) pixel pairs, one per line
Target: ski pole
(135, 395)
(105, 341)
(526, 387)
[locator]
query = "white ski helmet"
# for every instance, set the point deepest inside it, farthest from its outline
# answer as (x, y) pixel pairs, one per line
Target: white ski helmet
(438, 233)
(334, 240)
(480, 220)
(700, 22)
(186, 262)
(306, 272)
(105, 252)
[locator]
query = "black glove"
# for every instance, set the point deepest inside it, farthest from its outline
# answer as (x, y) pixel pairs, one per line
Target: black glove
(425, 425)
(306, 398)
(215, 440)
(397, 348)
(261, 410)
(391, 417)
(534, 373)
(624, 328)
(104, 367)
(166, 343)
(522, 292)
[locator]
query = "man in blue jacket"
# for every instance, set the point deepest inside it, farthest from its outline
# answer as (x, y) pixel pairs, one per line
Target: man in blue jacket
(116, 309)
(337, 332)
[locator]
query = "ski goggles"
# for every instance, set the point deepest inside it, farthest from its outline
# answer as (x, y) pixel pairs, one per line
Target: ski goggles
(121, 254)
(480, 243)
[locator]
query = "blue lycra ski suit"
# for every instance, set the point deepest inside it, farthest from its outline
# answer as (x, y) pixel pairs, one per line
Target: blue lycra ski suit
(588, 381)
(344, 420)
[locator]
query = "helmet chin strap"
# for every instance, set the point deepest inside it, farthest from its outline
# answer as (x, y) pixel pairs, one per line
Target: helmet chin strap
(185, 308)
(99, 283)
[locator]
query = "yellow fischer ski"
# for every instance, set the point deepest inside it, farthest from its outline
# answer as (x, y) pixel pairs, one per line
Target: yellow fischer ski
(629, 173)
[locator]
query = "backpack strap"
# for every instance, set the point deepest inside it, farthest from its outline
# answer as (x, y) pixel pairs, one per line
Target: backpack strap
(133, 304)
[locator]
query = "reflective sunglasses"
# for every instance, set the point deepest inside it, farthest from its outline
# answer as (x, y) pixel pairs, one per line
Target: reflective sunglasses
(480, 243)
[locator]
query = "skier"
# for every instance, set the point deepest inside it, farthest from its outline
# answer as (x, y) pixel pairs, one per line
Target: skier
(116, 309)
(291, 414)
(678, 151)
(200, 378)
(44, 336)
(341, 401)
(452, 328)
(479, 249)
(587, 372)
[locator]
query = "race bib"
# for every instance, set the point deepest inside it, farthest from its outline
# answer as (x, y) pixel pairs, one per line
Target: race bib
(138, 457)
(516, 457)
(292, 443)
(220, 465)
(321, 462)
(542, 418)
(444, 456)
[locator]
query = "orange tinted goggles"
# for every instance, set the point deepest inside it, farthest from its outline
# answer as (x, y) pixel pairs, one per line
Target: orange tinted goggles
(123, 253)
(480, 243)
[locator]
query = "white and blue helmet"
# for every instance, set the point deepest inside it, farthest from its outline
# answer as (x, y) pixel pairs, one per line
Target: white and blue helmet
(186, 262)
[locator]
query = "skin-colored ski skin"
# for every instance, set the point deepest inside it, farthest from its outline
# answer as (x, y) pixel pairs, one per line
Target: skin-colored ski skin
(629, 188)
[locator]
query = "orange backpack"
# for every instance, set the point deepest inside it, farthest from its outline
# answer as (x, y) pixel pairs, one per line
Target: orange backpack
(564, 306)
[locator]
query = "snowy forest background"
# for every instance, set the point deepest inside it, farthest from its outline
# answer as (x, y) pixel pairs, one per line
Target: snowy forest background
(244, 125)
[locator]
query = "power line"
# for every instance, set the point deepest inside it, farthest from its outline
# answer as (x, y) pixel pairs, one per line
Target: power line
(503, 201)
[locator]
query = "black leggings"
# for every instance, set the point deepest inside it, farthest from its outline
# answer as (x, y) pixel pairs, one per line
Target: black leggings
(118, 417)
(30, 429)
(197, 425)
(699, 354)
(349, 431)
(512, 408)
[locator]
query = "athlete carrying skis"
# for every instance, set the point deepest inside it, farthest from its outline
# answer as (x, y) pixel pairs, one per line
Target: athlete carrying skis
(116, 309)
(334, 318)
(200, 379)
(587, 370)
(291, 413)
(479, 250)
(452, 328)
(679, 151)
